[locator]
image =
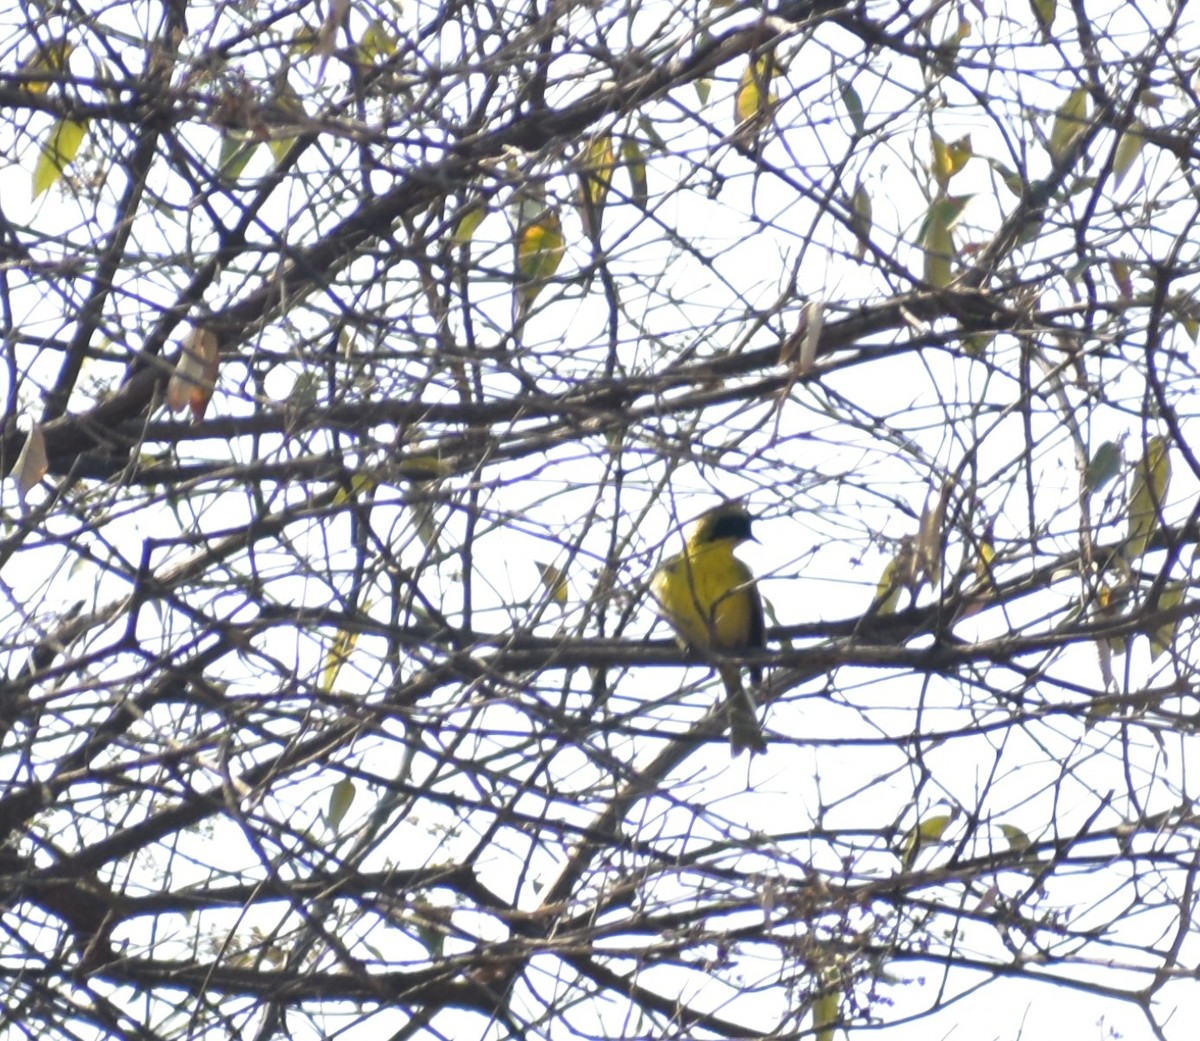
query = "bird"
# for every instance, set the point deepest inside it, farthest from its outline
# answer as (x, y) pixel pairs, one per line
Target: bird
(709, 598)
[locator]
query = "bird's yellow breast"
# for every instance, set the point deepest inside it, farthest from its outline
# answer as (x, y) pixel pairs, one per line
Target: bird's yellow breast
(707, 596)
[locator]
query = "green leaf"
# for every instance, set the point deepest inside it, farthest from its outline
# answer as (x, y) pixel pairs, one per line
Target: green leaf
(937, 240)
(341, 796)
(1070, 121)
(595, 178)
(468, 223)
(1163, 638)
(237, 149)
(635, 164)
(58, 151)
(854, 106)
(1104, 465)
(1128, 149)
(1151, 479)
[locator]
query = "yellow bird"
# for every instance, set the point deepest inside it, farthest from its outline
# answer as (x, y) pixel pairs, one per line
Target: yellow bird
(708, 596)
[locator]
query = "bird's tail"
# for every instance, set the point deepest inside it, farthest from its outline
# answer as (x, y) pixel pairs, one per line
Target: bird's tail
(744, 731)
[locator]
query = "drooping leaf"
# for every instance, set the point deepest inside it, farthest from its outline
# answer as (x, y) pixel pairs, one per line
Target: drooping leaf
(1070, 121)
(468, 222)
(195, 376)
(854, 105)
(754, 100)
(860, 219)
(1128, 149)
(341, 798)
(635, 164)
(1104, 465)
(1151, 479)
(57, 152)
(937, 239)
(237, 149)
(595, 178)
(32, 463)
(1163, 638)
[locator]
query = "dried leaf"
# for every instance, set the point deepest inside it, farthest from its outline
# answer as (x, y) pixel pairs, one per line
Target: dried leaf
(32, 464)
(195, 376)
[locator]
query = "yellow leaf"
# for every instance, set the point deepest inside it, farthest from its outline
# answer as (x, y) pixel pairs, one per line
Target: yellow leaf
(339, 654)
(1151, 478)
(1164, 636)
(555, 582)
(595, 178)
(540, 249)
(827, 1013)
(468, 223)
(341, 797)
(754, 99)
(1128, 149)
(1069, 122)
(57, 153)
